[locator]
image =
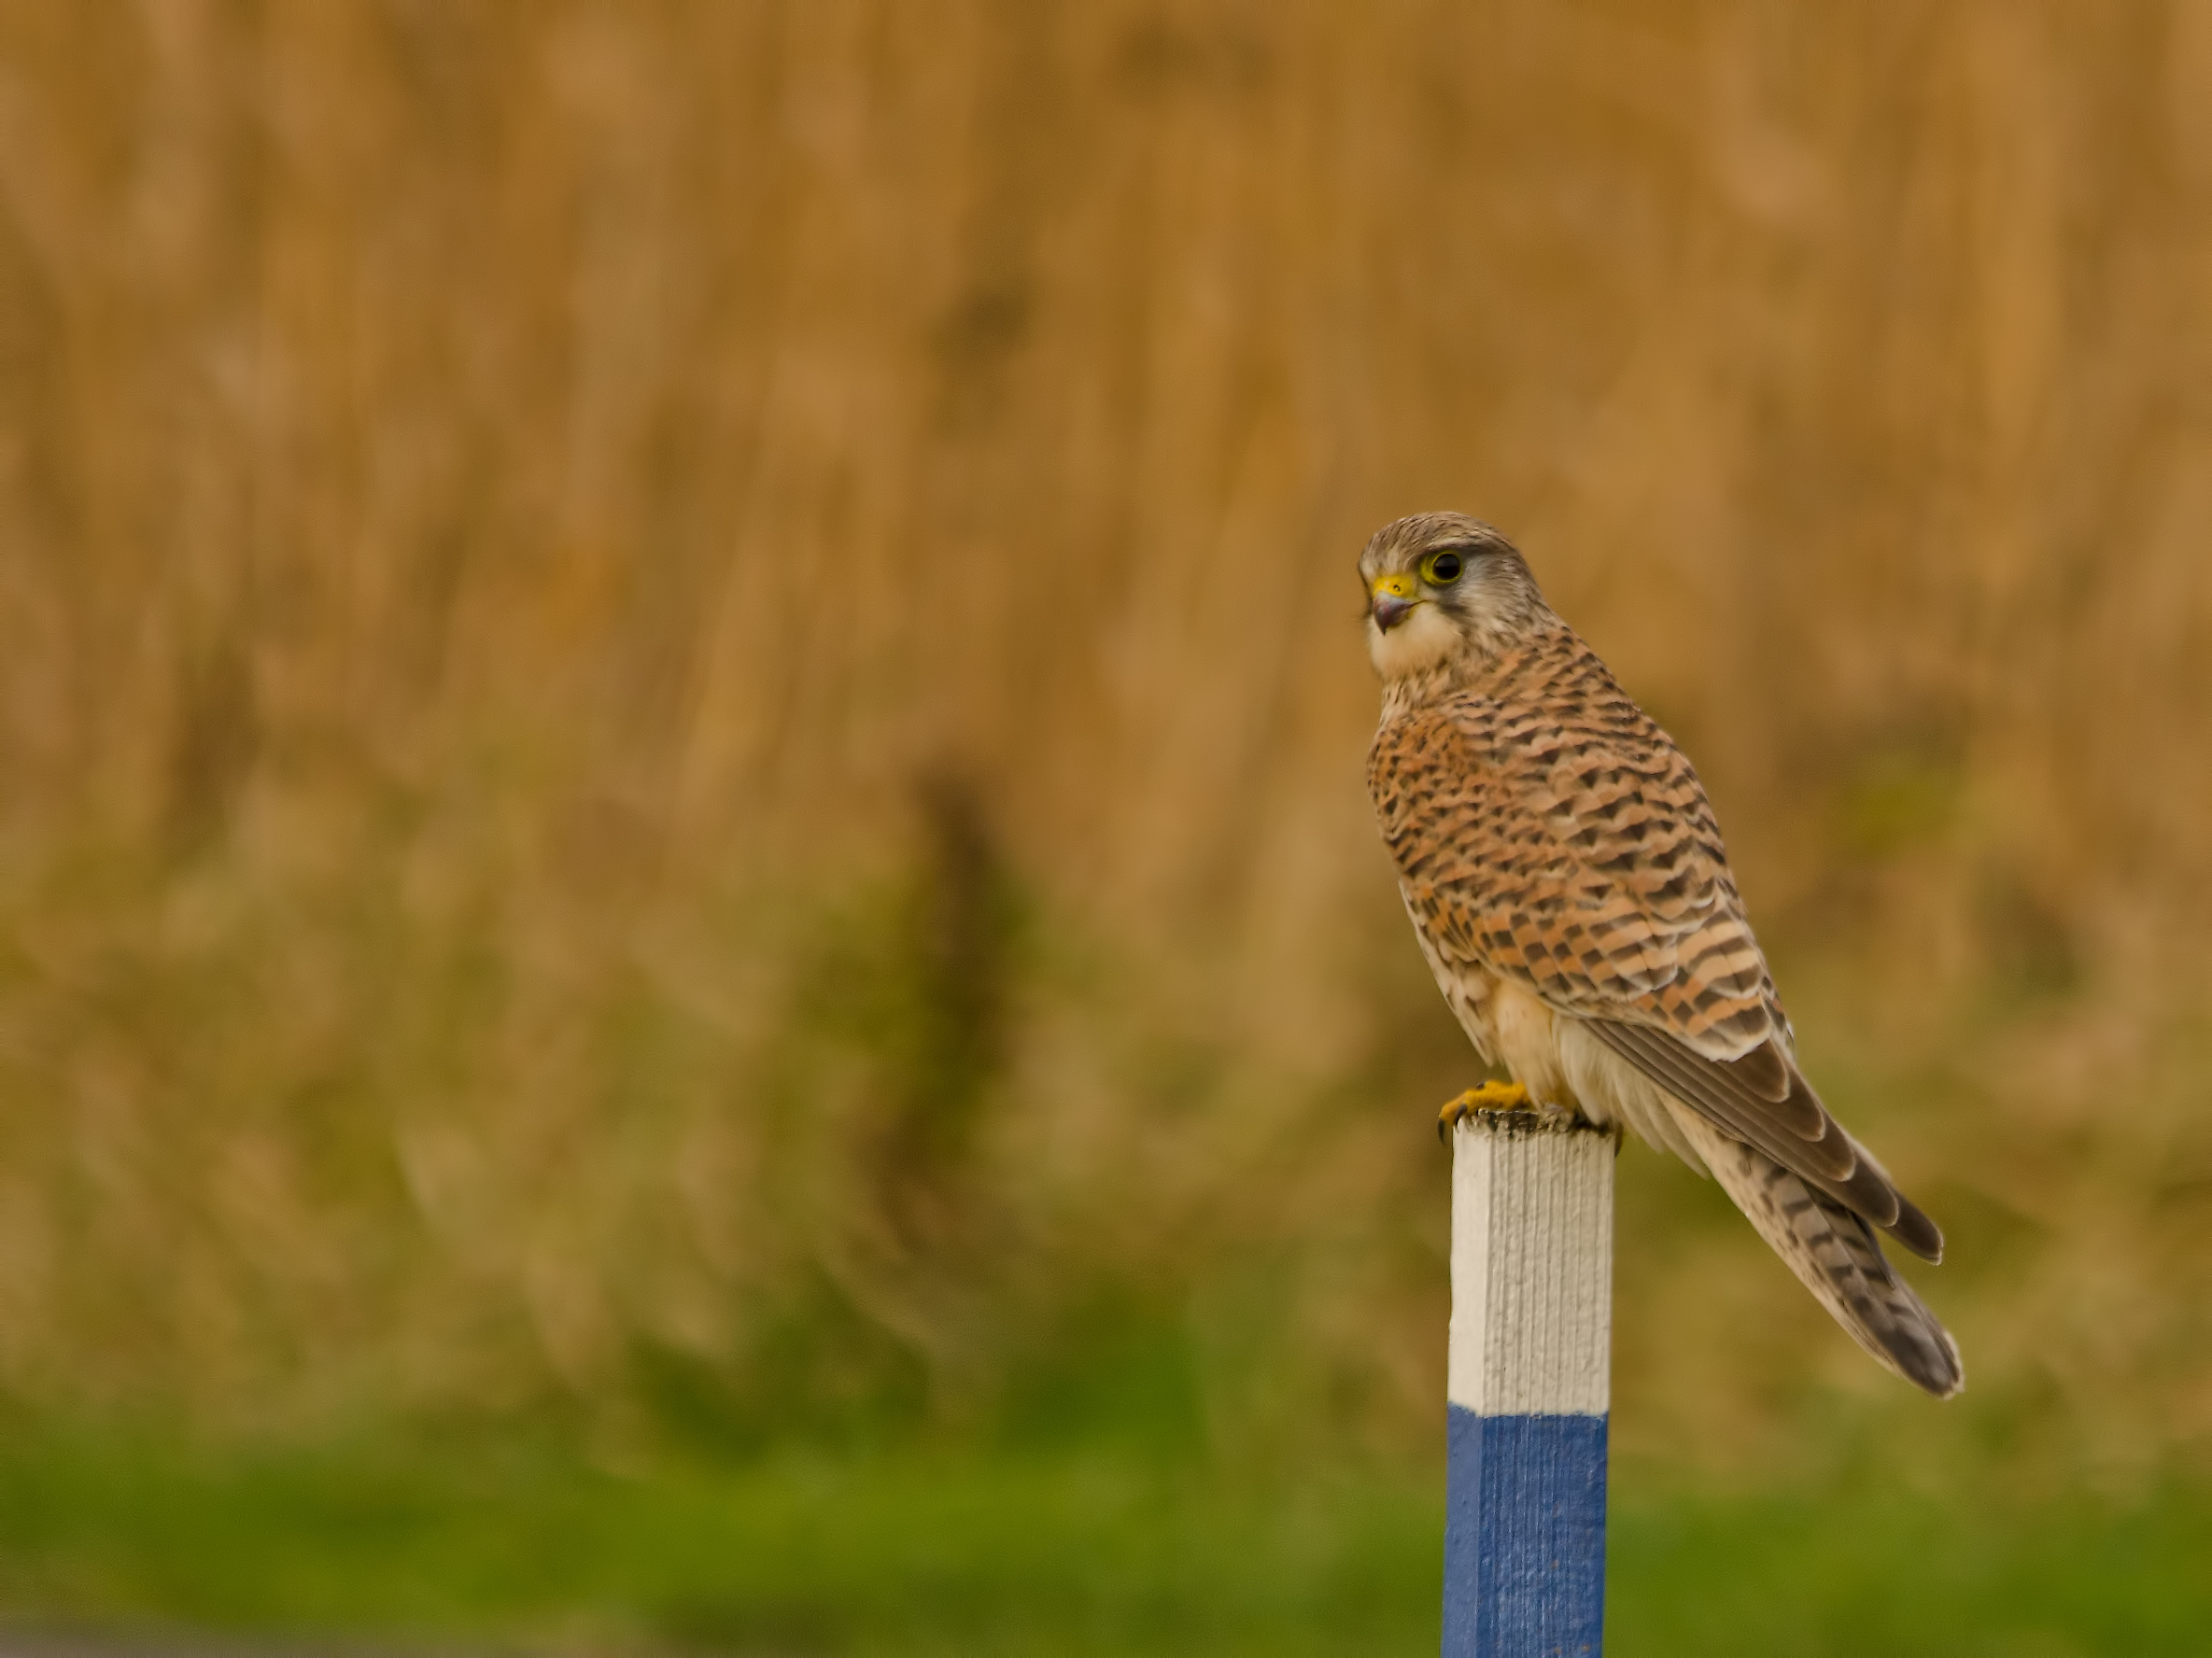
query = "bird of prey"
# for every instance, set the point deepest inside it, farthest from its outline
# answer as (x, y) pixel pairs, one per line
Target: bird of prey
(1569, 887)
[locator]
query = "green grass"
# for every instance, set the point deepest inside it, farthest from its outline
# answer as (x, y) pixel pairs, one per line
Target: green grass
(1065, 1553)
(914, 1554)
(1829, 1573)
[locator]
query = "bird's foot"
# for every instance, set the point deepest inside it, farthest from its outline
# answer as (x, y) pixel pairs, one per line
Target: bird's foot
(1491, 1096)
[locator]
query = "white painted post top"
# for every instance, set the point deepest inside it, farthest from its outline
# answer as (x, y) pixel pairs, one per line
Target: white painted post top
(1532, 1266)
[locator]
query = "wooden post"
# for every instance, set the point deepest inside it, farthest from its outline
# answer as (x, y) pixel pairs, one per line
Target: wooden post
(1530, 1346)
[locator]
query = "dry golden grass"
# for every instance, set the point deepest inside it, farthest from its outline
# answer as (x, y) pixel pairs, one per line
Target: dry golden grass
(522, 526)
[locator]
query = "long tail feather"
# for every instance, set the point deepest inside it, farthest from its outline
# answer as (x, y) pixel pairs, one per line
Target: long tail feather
(1833, 1254)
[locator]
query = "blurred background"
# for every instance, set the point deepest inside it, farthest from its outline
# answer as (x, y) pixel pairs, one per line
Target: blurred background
(691, 952)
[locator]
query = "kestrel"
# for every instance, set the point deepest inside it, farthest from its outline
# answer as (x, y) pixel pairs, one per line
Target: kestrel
(1568, 884)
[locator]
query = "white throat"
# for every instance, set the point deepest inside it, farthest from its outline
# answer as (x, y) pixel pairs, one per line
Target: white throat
(1424, 642)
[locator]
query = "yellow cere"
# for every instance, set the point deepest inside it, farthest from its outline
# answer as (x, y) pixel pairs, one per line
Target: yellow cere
(1398, 586)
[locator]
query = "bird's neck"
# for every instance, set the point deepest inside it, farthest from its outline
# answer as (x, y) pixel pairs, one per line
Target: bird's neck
(1487, 667)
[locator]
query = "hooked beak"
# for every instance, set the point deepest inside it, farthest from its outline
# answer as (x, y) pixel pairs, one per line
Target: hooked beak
(1391, 600)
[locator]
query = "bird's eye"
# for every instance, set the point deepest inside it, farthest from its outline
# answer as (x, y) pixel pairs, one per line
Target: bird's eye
(1442, 568)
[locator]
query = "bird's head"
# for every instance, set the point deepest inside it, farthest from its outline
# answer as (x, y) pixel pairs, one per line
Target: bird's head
(1442, 589)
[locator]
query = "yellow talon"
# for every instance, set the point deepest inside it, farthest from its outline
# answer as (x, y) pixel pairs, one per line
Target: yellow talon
(1491, 1096)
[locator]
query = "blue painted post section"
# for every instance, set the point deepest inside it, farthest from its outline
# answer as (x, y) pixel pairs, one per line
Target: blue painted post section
(1530, 1346)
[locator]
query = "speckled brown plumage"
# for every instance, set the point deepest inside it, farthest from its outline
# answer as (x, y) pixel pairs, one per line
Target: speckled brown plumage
(1571, 890)
(1543, 822)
